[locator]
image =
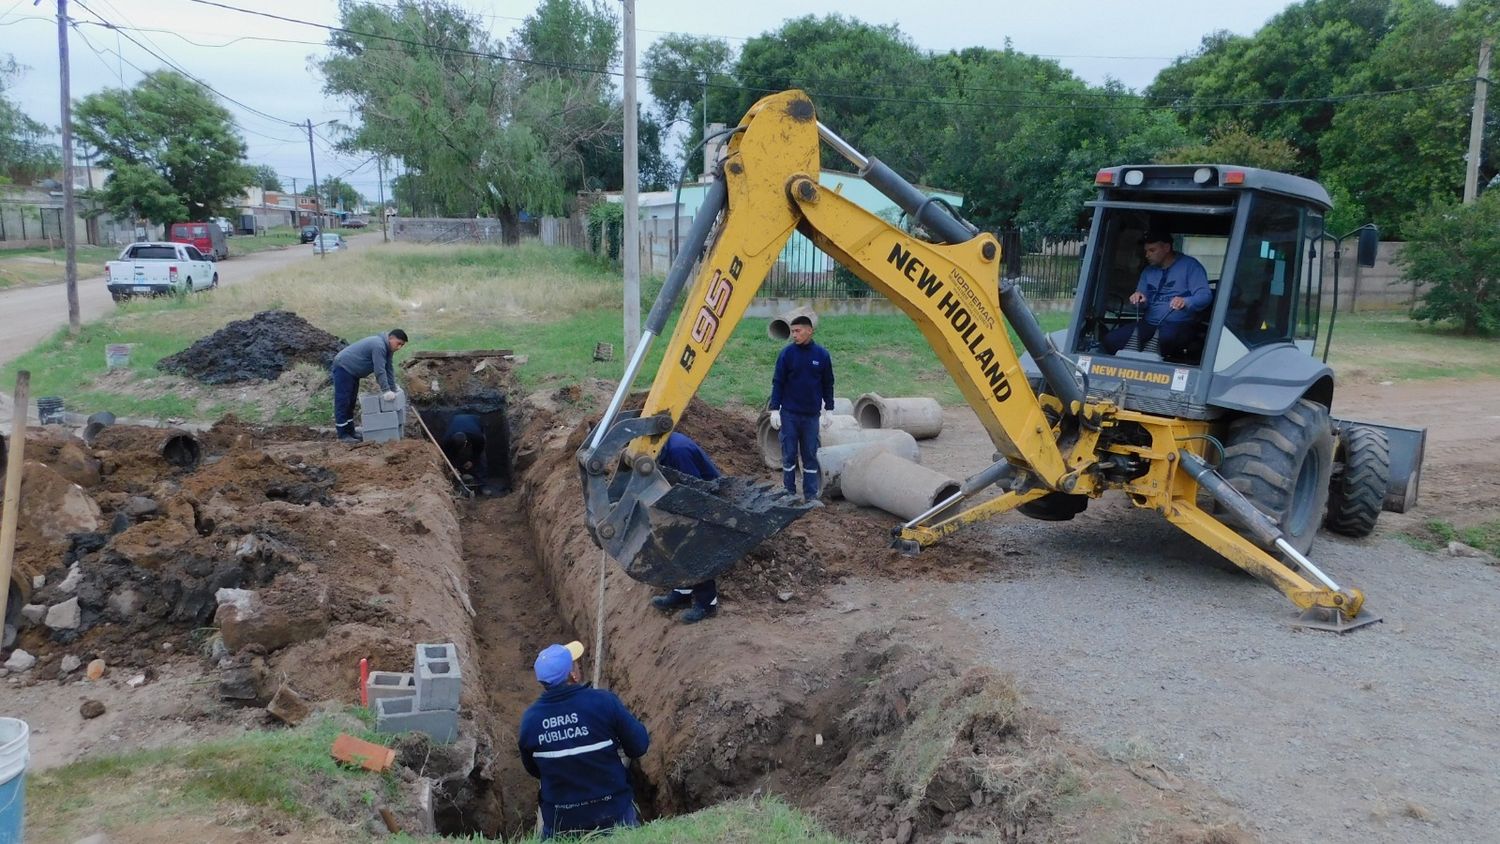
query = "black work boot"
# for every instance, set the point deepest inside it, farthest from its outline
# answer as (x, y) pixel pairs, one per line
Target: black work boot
(673, 600)
(697, 613)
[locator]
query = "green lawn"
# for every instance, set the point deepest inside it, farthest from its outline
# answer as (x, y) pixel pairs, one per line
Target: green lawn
(40, 265)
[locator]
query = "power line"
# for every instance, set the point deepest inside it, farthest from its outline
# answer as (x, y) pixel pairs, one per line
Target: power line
(1177, 105)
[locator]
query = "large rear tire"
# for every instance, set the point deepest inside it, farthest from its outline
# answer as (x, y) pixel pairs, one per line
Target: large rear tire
(1356, 494)
(1283, 464)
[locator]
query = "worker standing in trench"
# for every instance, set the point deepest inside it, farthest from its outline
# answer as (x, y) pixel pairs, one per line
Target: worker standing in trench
(464, 445)
(374, 355)
(801, 386)
(571, 739)
(702, 599)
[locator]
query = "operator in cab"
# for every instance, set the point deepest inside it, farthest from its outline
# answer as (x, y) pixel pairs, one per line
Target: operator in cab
(1173, 293)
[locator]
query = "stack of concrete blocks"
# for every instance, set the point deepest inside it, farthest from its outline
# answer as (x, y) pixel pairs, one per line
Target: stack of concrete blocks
(424, 701)
(382, 420)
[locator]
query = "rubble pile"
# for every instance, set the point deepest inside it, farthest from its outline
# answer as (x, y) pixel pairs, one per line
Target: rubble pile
(256, 349)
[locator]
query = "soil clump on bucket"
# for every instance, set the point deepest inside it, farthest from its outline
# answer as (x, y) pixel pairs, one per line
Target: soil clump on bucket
(256, 349)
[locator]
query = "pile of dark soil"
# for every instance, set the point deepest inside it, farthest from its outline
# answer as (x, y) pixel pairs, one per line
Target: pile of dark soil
(259, 348)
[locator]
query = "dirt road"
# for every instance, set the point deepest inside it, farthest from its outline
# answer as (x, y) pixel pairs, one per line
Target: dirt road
(33, 313)
(1143, 645)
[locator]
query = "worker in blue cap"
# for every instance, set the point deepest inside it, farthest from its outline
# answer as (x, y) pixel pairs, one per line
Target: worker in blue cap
(571, 739)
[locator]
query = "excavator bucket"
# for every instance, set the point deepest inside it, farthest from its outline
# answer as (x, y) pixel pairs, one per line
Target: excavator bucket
(669, 529)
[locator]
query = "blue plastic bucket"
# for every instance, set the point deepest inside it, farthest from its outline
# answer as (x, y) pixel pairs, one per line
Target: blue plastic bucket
(13, 756)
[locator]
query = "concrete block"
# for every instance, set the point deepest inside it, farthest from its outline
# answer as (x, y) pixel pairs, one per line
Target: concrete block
(401, 715)
(381, 435)
(383, 684)
(374, 403)
(438, 677)
(379, 420)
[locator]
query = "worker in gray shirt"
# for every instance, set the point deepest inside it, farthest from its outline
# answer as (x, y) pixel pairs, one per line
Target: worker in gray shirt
(370, 356)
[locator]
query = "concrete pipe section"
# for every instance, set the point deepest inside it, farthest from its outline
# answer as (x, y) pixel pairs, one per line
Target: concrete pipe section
(844, 431)
(780, 327)
(919, 416)
(833, 458)
(879, 478)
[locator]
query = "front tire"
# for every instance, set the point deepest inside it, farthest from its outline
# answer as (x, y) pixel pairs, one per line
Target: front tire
(214, 285)
(1283, 465)
(1357, 492)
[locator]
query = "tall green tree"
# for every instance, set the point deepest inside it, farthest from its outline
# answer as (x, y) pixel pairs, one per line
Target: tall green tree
(339, 194)
(26, 149)
(1232, 143)
(173, 150)
(1403, 151)
(689, 79)
(1453, 253)
(265, 177)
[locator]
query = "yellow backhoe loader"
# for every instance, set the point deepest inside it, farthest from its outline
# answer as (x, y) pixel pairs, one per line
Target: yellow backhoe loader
(1243, 416)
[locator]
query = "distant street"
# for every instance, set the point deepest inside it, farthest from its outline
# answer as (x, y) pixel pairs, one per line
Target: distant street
(30, 315)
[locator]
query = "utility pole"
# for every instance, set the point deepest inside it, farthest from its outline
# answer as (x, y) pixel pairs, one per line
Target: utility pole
(380, 168)
(69, 230)
(1476, 122)
(317, 202)
(630, 240)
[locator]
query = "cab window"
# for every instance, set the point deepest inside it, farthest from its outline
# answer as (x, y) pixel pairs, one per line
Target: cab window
(193, 253)
(1263, 305)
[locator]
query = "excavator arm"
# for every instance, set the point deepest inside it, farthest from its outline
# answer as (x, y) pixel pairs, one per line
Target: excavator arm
(671, 530)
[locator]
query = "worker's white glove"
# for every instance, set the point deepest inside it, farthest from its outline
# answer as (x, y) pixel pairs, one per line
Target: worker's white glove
(825, 421)
(390, 395)
(776, 420)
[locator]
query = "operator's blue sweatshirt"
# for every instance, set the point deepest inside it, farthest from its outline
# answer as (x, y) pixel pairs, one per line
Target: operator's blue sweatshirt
(571, 739)
(370, 356)
(803, 380)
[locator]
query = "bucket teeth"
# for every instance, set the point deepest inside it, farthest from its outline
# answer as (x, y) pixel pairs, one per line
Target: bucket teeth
(700, 529)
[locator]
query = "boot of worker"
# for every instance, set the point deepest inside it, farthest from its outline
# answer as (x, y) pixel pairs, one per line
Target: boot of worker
(348, 433)
(705, 598)
(674, 600)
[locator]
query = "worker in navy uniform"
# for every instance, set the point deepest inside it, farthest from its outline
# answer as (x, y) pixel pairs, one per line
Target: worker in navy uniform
(701, 600)
(801, 404)
(464, 444)
(571, 739)
(1173, 293)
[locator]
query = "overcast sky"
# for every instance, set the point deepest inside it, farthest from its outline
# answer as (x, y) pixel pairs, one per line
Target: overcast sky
(1094, 38)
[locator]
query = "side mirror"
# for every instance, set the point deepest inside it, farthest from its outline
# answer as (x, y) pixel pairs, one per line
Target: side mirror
(1369, 241)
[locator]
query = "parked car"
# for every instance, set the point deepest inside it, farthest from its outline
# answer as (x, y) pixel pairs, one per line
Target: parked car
(207, 237)
(355, 223)
(154, 269)
(329, 243)
(308, 234)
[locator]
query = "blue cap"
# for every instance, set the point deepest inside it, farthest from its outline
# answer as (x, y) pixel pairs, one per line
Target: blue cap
(555, 662)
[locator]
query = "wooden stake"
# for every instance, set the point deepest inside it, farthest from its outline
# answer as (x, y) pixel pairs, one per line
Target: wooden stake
(13, 465)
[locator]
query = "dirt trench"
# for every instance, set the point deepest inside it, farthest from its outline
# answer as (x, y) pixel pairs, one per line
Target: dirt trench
(842, 708)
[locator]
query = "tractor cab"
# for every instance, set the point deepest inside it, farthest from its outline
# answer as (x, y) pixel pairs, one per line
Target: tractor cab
(1245, 346)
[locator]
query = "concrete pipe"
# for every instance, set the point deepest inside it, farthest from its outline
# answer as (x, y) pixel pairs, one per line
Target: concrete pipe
(780, 327)
(842, 406)
(919, 416)
(880, 479)
(177, 447)
(843, 431)
(833, 458)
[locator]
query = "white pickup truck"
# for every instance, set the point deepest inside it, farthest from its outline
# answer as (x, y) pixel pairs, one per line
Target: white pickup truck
(153, 269)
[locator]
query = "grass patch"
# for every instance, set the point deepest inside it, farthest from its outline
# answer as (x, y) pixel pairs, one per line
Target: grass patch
(288, 772)
(1393, 346)
(247, 244)
(1435, 536)
(39, 265)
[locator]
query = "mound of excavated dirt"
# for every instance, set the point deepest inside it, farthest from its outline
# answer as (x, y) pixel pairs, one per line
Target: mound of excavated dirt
(259, 348)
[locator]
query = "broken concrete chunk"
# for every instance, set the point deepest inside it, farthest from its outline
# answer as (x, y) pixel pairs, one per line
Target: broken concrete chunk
(64, 616)
(125, 603)
(139, 506)
(70, 583)
(38, 581)
(70, 663)
(288, 706)
(294, 613)
(34, 613)
(19, 661)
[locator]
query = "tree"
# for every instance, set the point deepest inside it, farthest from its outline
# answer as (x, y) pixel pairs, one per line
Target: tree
(689, 79)
(173, 149)
(1232, 143)
(337, 193)
(1454, 251)
(477, 134)
(26, 151)
(265, 177)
